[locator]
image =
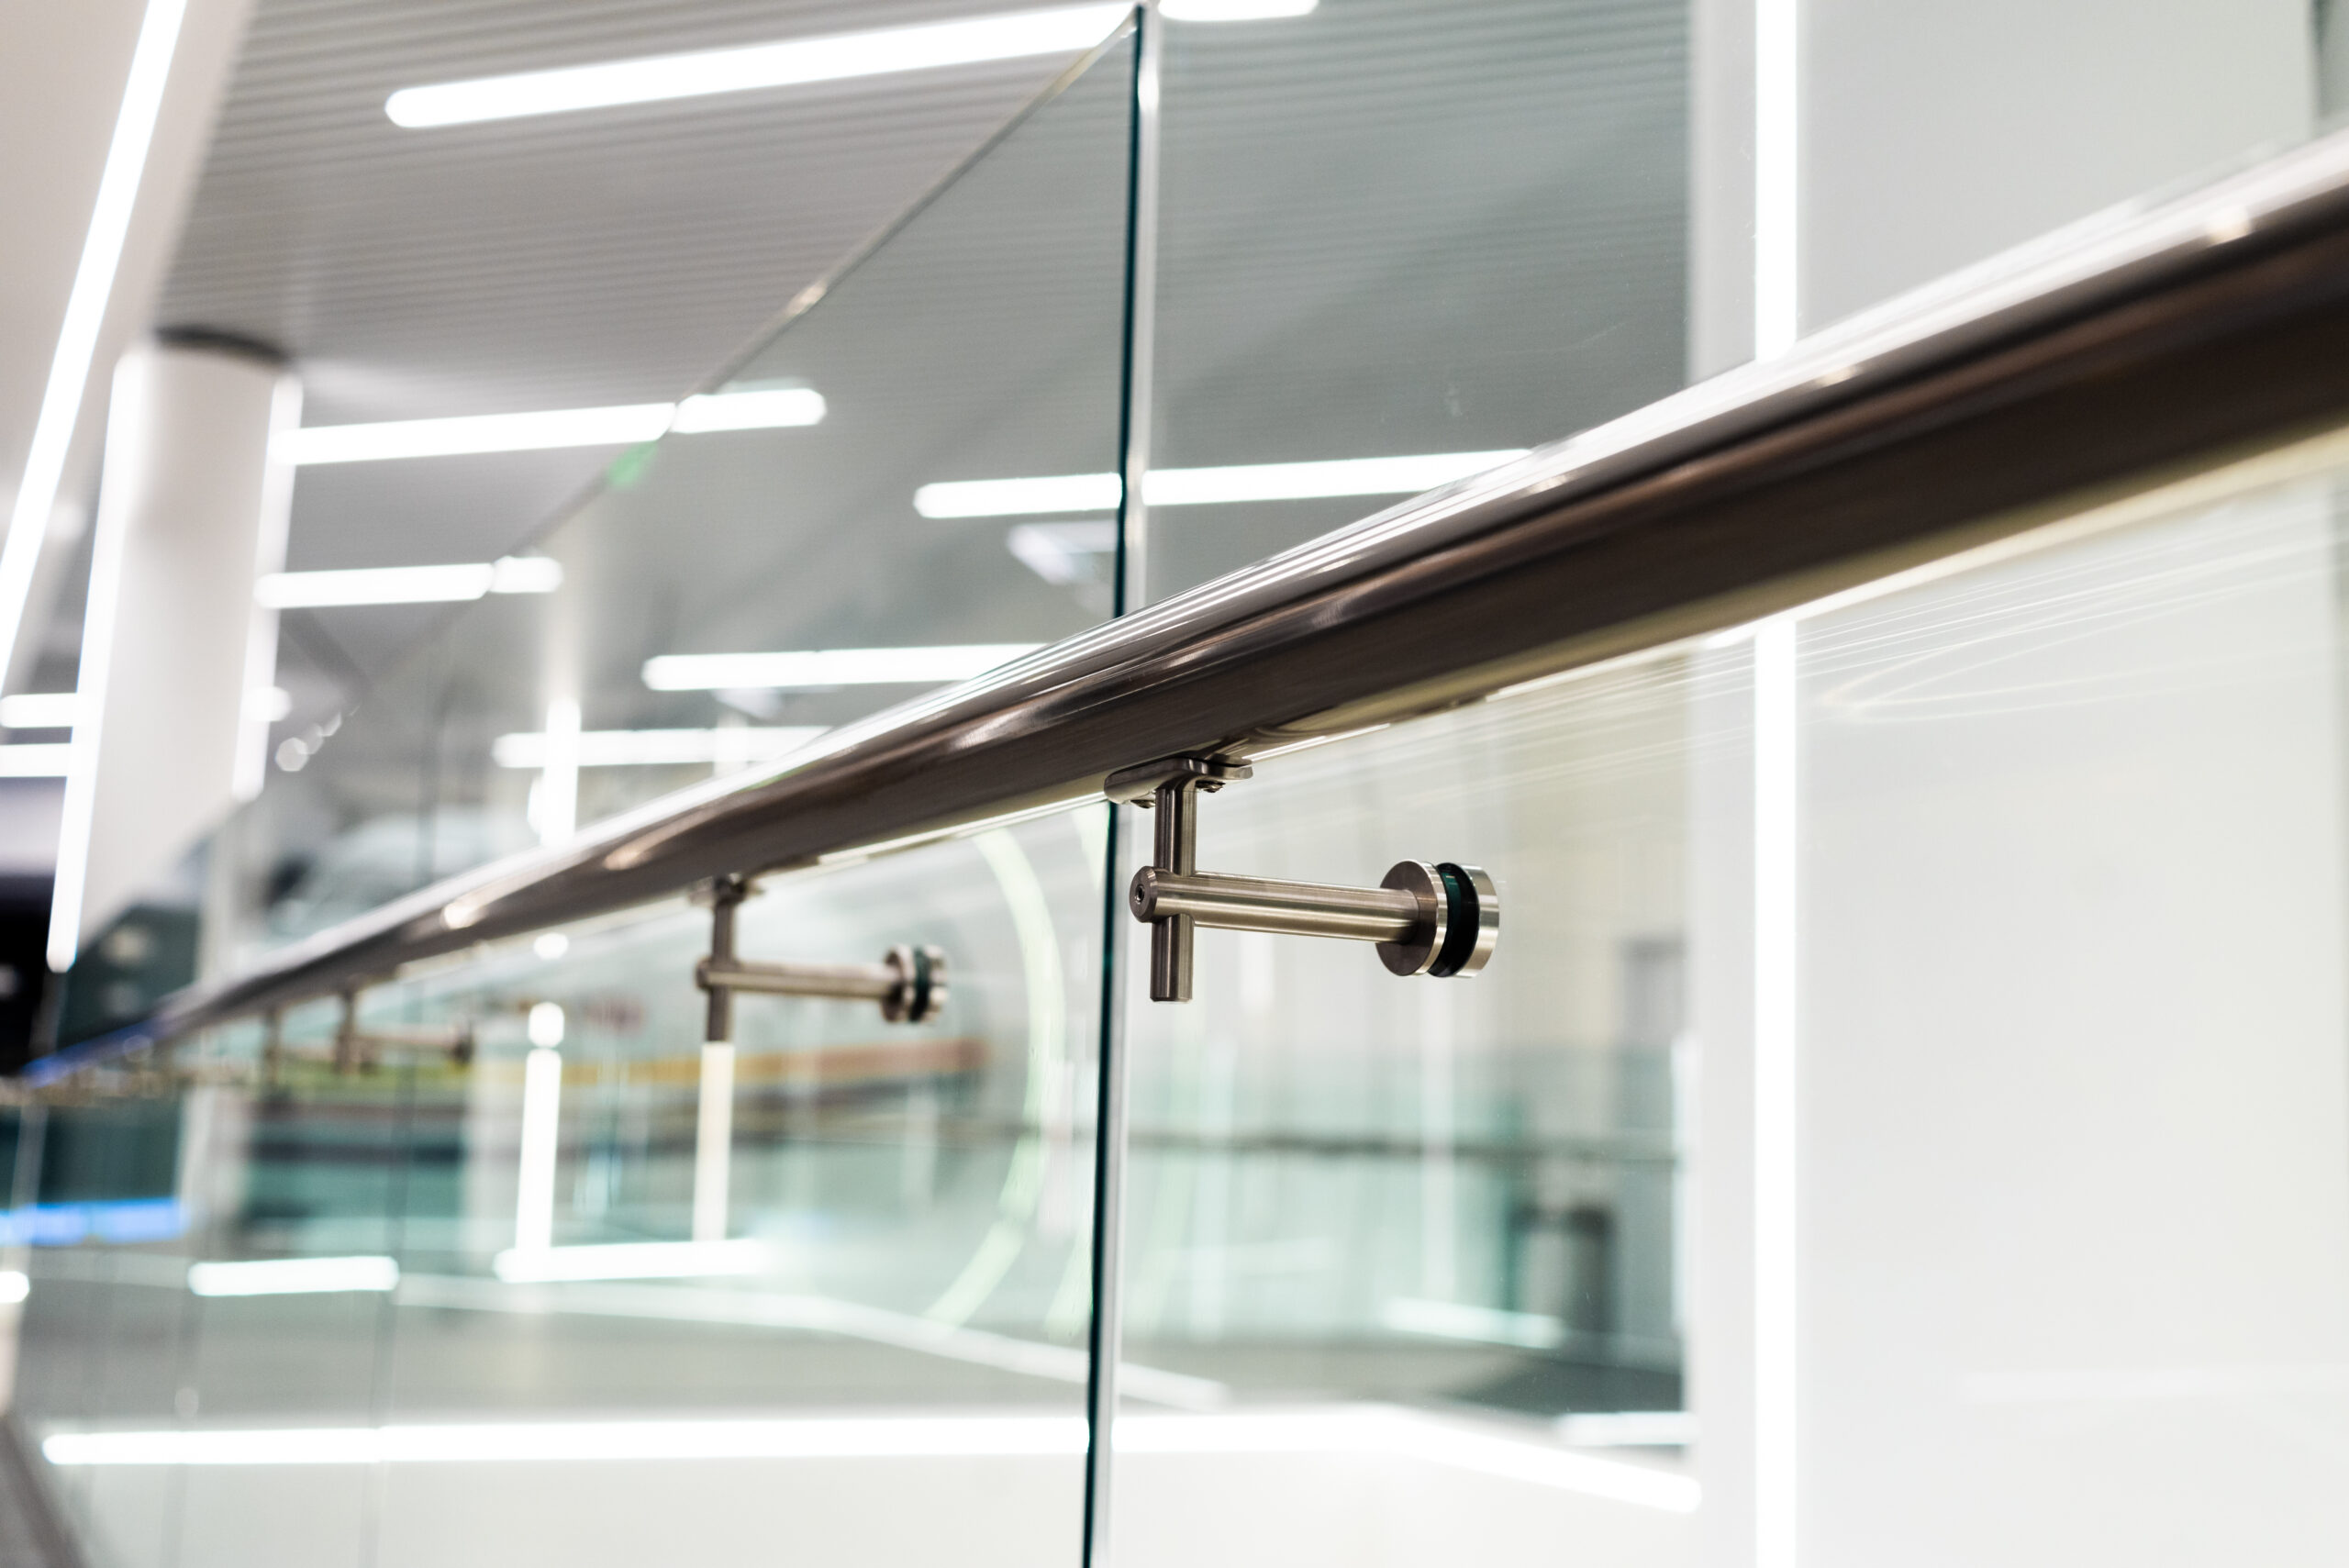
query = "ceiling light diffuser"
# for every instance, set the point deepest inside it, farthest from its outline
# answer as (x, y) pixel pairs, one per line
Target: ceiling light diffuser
(821, 669)
(1064, 29)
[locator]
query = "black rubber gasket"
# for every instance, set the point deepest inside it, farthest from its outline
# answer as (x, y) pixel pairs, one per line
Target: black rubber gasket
(918, 992)
(1460, 913)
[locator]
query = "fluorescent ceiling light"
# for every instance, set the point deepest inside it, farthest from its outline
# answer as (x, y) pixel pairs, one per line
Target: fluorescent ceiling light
(1233, 10)
(818, 670)
(42, 762)
(632, 1260)
(85, 309)
(658, 747)
(293, 1276)
(406, 584)
(549, 430)
(1205, 486)
(39, 710)
(15, 1285)
(835, 57)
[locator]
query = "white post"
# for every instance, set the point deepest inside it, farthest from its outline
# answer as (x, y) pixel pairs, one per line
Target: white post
(714, 1142)
(541, 1131)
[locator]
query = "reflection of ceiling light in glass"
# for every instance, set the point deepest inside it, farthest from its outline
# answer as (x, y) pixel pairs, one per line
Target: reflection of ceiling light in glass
(633, 1260)
(409, 584)
(836, 57)
(1062, 553)
(821, 669)
(1205, 486)
(626, 424)
(1233, 10)
(1441, 1443)
(654, 747)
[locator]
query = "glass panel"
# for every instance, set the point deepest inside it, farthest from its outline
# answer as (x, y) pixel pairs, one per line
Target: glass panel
(982, 336)
(105, 1334)
(872, 1251)
(1425, 1236)
(843, 1264)
(2072, 1206)
(1402, 229)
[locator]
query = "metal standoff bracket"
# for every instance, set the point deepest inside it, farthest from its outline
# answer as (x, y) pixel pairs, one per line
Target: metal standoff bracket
(360, 1050)
(909, 983)
(1439, 921)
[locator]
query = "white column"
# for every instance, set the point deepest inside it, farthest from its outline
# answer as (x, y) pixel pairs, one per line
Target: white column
(714, 1142)
(177, 658)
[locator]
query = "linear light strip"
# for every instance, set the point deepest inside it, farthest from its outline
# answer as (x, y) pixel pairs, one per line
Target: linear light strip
(86, 310)
(551, 430)
(1381, 1431)
(1776, 910)
(1050, 494)
(794, 62)
(1778, 176)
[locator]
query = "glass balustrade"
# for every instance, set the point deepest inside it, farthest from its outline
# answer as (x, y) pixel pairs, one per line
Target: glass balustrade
(772, 569)
(1904, 1118)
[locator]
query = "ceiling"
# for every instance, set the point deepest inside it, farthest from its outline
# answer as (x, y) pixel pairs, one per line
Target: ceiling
(617, 256)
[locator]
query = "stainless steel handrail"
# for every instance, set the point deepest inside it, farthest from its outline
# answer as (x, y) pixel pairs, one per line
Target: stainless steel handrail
(2136, 339)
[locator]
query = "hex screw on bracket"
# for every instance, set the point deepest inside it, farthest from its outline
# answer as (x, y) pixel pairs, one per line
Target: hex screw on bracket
(1440, 921)
(909, 983)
